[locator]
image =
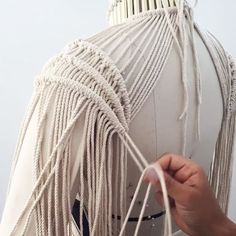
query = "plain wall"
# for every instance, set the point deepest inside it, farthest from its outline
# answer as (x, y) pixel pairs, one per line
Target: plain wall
(33, 31)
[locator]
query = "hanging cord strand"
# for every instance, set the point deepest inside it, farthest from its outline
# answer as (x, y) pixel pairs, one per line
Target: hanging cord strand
(60, 142)
(197, 71)
(159, 172)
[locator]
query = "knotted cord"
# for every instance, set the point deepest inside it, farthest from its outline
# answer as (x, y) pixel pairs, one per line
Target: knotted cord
(83, 85)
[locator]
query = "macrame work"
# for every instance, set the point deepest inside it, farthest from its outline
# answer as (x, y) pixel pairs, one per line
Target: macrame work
(84, 85)
(96, 87)
(221, 169)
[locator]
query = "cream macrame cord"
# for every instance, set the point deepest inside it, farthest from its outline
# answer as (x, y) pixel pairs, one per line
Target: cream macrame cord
(84, 86)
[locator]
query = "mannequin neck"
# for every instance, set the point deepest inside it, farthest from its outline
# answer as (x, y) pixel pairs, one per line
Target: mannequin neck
(122, 9)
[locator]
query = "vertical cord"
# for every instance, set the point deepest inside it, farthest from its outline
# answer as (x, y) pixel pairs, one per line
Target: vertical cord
(110, 199)
(81, 169)
(52, 156)
(160, 174)
(189, 15)
(90, 164)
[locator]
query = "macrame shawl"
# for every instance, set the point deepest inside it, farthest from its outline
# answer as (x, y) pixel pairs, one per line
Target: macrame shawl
(85, 86)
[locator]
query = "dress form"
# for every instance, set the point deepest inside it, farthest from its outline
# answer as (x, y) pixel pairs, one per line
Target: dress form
(155, 128)
(122, 9)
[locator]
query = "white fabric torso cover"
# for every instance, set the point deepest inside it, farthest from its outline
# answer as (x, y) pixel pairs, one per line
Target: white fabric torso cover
(154, 125)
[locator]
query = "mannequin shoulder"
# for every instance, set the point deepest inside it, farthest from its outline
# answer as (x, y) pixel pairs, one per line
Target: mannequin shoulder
(83, 68)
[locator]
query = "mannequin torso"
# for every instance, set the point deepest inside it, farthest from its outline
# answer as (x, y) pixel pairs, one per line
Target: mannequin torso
(155, 126)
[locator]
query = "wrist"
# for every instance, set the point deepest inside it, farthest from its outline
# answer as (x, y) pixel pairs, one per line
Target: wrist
(224, 228)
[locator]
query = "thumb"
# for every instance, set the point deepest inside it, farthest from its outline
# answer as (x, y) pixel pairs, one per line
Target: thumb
(175, 189)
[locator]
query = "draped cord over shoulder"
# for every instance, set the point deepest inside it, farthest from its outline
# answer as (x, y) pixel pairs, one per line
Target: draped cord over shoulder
(84, 80)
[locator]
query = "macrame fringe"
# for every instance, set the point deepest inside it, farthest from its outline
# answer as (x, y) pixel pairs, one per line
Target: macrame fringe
(220, 174)
(155, 33)
(86, 87)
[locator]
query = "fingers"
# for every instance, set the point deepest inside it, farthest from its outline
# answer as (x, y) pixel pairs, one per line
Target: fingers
(180, 174)
(172, 162)
(178, 167)
(174, 188)
(159, 198)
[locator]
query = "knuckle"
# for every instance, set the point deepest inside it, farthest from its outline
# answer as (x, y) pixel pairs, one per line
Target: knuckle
(200, 171)
(165, 154)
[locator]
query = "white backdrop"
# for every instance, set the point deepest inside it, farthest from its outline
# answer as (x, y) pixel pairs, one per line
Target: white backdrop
(33, 31)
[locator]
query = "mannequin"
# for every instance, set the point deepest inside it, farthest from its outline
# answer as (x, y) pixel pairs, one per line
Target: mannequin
(168, 94)
(160, 128)
(122, 9)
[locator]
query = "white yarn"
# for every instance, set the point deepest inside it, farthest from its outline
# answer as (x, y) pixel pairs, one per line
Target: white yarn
(83, 80)
(221, 169)
(163, 26)
(88, 96)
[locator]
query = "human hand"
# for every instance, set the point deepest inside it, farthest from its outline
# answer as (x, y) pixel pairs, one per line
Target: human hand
(193, 205)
